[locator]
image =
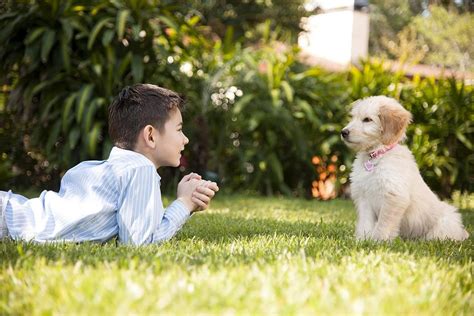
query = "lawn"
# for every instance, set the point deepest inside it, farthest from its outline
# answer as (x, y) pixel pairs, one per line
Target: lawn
(246, 255)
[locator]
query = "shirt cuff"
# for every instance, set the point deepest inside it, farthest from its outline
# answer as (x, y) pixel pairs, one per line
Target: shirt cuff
(177, 213)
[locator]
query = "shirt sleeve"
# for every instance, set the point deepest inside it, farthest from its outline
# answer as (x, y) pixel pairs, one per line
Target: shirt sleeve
(141, 217)
(141, 208)
(175, 216)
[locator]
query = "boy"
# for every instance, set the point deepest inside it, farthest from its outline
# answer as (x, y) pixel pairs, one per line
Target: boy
(120, 196)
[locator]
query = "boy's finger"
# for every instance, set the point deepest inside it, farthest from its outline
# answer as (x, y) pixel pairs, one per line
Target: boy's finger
(212, 185)
(202, 197)
(191, 176)
(206, 191)
(199, 203)
(185, 178)
(194, 176)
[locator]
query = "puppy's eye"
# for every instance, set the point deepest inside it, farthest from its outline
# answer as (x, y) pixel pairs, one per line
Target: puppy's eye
(367, 120)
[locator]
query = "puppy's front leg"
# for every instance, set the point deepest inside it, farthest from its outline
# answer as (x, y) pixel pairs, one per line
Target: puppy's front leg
(365, 220)
(390, 216)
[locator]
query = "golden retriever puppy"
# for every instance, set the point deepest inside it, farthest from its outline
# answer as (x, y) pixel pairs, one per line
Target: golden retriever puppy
(389, 193)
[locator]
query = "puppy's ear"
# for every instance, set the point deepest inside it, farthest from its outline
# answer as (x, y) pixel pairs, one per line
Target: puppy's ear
(394, 121)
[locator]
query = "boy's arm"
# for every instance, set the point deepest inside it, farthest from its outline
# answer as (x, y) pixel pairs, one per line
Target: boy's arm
(192, 193)
(175, 216)
(141, 209)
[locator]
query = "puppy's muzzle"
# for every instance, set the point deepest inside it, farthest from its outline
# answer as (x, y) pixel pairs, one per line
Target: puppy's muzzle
(345, 133)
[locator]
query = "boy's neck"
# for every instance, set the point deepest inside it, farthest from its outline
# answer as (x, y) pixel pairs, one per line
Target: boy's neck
(145, 151)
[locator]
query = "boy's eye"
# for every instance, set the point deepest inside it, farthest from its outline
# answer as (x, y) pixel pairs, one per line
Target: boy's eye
(367, 119)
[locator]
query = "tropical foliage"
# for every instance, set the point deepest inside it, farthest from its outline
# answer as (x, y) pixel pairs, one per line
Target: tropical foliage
(65, 60)
(258, 119)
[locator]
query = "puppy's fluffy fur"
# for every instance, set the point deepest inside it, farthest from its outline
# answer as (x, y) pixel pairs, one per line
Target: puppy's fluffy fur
(393, 200)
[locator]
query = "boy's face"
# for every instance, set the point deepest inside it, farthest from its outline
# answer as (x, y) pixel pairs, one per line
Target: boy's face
(170, 142)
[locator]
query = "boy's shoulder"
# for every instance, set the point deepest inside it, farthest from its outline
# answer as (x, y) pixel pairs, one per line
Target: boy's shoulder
(128, 159)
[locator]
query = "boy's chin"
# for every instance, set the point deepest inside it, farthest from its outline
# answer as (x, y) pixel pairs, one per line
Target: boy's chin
(176, 164)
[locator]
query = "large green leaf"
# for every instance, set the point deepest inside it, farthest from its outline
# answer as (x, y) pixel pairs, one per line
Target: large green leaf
(95, 31)
(67, 113)
(83, 98)
(34, 35)
(48, 40)
(137, 68)
(120, 24)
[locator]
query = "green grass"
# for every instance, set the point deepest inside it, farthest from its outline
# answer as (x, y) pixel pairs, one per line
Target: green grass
(246, 255)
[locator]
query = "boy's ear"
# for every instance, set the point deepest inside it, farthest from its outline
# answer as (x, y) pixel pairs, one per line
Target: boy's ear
(148, 136)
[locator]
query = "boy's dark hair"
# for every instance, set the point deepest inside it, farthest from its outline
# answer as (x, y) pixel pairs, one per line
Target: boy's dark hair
(138, 106)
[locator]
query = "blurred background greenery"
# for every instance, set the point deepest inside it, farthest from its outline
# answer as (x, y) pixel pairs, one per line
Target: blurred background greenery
(258, 118)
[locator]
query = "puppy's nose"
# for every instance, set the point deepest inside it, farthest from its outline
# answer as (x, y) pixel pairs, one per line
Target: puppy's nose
(345, 133)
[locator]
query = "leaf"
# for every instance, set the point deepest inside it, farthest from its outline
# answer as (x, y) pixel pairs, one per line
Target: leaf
(194, 20)
(276, 167)
(463, 139)
(67, 29)
(229, 45)
(47, 44)
(34, 35)
(169, 22)
(91, 110)
(275, 93)
(308, 110)
(84, 96)
(8, 15)
(9, 28)
(242, 103)
(120, 24)
(107, 37)
(313, 72)
(53, 136)
(46, 83)
(288, 90)
(67, 111)
(92, 139)
(124, 64)
(65, 53)
(137, 68)
(73, 138)
(95, 32)
(46, 110)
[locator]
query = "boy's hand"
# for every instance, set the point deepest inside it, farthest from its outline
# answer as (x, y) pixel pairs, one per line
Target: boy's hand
(203, 194)
(196, 193)
(186, 187)
(191, 176)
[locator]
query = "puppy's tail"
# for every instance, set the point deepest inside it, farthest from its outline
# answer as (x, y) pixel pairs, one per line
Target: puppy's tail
(449, 226)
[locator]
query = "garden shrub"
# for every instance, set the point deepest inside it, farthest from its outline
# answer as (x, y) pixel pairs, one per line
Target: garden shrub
(258, 119)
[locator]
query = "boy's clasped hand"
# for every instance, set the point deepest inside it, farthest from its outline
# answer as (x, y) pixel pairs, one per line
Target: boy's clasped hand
(195, 193)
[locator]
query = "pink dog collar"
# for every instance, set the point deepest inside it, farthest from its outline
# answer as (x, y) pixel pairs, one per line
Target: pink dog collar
(368, 165)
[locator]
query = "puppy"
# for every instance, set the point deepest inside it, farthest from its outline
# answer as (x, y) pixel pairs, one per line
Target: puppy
(389, 193)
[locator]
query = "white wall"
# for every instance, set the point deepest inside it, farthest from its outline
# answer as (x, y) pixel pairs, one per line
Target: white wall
(339, 35)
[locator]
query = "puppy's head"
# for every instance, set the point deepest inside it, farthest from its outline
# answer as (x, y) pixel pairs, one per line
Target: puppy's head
(375, 121)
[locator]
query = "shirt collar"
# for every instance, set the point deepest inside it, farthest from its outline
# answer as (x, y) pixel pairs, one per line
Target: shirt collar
(117, 152)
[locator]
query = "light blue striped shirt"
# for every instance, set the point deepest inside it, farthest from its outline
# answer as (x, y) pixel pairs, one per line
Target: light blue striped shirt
(97, 201)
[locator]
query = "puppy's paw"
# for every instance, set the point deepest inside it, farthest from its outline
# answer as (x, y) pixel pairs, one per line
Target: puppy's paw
(378, 236)
(363, 235)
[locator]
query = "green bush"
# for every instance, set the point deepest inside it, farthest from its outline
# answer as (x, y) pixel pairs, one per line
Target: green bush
(256, 116)
(65, 60)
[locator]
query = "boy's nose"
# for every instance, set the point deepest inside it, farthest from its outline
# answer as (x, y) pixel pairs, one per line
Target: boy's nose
(345, 133)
